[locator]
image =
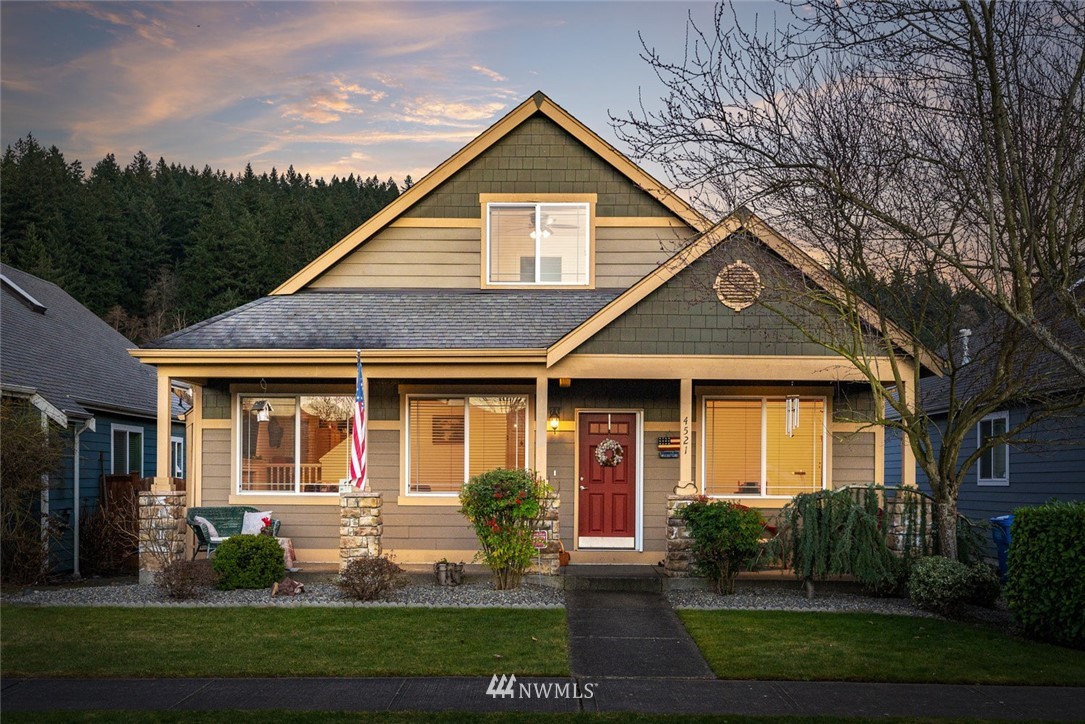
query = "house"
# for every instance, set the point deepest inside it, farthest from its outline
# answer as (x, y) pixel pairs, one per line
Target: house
(533, 297)
(73, 367)
(1047, 463)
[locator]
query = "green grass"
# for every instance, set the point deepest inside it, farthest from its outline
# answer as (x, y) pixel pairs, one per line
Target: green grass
(781, 645)
(241, 642)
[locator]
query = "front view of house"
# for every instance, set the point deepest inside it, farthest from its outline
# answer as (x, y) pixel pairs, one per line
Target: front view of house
(536, 301)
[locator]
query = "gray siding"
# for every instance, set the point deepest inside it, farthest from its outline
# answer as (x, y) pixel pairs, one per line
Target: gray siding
(685, 317)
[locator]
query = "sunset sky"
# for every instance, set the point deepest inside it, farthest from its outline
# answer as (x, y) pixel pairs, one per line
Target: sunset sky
(388, 89)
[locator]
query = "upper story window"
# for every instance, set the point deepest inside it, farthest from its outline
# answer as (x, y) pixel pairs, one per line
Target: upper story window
(294, 443)
(544, 244)
(994, 465)
(767, 446)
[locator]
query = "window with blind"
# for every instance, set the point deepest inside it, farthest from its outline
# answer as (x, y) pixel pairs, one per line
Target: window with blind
(767, 446)
(451, 439)
(537, 243)
(294, 443)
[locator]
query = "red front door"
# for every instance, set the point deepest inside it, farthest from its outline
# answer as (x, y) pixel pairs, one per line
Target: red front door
(608, 493)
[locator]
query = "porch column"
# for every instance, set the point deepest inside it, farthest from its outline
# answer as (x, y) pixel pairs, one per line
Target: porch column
(907, 457)
(162, 469)
(685, 427)
(541, 410)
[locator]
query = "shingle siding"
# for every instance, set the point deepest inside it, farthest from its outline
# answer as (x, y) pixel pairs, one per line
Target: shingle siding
(685, 317)
(538, 157)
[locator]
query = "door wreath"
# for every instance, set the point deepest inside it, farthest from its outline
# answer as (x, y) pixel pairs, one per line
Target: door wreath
(609, 453)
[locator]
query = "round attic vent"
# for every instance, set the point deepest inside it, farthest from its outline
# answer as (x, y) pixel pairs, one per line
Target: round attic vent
(738, 285)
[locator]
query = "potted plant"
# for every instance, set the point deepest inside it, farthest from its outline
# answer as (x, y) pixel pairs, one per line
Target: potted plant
(440, 572)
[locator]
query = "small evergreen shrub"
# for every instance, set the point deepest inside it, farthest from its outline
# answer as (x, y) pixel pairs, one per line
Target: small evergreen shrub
(725, 539)
(366, 579)
(939, 584)
(248, 561)
(505, 507)
(1046, 586)
(182, 579)
(985, 585)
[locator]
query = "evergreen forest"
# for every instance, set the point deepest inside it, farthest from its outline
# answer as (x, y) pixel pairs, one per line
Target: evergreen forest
(153, 247)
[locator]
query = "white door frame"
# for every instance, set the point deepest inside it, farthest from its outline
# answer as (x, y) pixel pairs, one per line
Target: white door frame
(638, 542)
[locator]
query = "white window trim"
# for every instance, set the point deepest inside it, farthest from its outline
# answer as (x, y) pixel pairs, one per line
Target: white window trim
(764, 444)
(179, 441)
(538, 266)
(117, 427)
(528, 415)
(240, 467)
(992, 482)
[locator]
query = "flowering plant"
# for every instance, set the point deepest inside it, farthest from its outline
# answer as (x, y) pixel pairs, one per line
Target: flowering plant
(505, 507)
(267, 529)
(609, 453)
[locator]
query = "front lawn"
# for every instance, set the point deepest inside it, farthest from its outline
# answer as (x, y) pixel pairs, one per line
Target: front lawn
(192, 642)
(785, 645)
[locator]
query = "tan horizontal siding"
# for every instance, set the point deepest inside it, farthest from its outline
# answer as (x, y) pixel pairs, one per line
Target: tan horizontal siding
(412, 258)
(216, 467)
(853, 458)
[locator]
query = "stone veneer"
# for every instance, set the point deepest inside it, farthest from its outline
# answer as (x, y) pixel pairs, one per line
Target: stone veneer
(161, 531)
(896, 527)
(548, 560)
(360, 525)
(679, 557)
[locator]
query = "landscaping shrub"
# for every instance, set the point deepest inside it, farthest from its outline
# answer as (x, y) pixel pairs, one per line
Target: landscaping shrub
(366, 579)
(1046, 586)
(985, 585)
(725, 539)
(840, 532)
(940, 585)
(248, 561)
(183, 579)
(27, 452)
(505, 508)
(107, 539)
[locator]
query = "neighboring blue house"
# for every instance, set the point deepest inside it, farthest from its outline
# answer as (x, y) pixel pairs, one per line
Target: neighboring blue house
(73, 367)
(1052, 465)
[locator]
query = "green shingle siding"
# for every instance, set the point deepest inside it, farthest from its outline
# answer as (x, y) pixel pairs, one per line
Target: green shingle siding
(685, 317)
(538, 157)
(216, 404)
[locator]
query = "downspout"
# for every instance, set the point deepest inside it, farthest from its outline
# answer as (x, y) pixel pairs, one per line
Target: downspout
(76, 509)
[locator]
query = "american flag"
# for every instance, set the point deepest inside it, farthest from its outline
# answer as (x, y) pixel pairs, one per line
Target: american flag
(356, 471)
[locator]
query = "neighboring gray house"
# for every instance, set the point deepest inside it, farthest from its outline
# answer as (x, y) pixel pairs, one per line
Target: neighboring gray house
(73, 367)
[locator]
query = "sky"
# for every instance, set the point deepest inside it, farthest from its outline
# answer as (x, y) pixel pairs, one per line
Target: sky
(385, 89)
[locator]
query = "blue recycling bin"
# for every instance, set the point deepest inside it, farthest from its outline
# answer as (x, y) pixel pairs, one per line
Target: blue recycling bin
(1000, 532)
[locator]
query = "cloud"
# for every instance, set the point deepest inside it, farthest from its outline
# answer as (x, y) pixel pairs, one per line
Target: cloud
(431, 111)
(491, 74)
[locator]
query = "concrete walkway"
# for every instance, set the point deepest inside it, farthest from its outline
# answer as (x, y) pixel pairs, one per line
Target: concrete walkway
(674, 696)
(624, 634)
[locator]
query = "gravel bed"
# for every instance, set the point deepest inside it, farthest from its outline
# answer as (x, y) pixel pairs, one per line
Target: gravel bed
(775, 599)
(420, 592)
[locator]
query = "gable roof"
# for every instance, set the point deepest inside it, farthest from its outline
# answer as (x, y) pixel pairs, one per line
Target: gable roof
(537, 103)
(742, 219)
(58, 349)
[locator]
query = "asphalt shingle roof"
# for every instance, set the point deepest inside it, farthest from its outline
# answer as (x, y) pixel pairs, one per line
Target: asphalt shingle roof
(397, 319)
(67, 354)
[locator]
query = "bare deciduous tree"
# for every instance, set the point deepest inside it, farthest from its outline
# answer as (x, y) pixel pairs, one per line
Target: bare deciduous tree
(917, 149)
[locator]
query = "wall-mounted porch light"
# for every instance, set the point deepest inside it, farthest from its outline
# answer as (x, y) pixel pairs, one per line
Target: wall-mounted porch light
(263, 410)
(555, 420)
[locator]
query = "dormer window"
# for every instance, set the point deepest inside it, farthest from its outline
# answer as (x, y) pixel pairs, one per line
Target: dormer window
(538, 243)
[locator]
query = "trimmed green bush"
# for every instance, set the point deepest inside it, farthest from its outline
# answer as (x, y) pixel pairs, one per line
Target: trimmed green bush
(985, 585)
(505, 507)
(725, 539)
(940, 585)
(248, 561)
(1046, 586)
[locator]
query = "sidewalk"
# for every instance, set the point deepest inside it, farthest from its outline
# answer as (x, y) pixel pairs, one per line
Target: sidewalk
(468, 694)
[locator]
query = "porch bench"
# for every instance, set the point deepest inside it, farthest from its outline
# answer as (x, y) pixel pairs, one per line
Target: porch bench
(227, 520)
